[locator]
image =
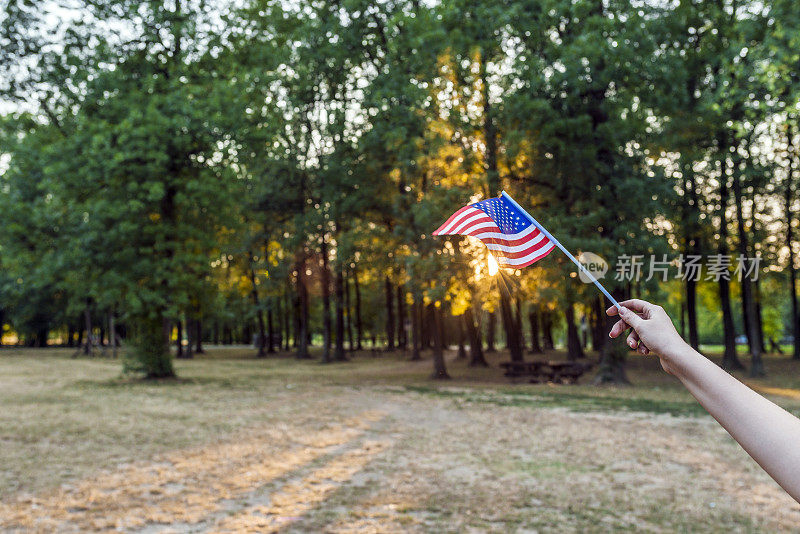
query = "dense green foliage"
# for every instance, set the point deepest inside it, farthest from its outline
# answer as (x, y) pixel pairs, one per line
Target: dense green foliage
(274, 170)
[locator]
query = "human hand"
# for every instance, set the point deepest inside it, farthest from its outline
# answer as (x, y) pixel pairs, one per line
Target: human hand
(653, 330)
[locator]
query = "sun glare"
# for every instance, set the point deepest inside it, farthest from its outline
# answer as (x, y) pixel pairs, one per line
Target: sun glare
(493, 266)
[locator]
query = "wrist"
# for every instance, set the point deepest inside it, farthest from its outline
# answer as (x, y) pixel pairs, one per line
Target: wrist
(679, 357)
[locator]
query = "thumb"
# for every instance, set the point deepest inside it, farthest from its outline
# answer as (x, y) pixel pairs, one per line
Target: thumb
(630, 317)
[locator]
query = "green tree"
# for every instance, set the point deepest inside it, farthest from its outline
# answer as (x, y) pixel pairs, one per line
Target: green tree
(140, 166)
(579, 129)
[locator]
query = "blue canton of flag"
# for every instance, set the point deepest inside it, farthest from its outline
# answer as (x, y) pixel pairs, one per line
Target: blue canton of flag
(507, 217)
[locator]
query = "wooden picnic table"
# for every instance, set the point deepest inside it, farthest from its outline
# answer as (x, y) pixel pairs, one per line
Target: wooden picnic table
(535, 370)
(547, 371)
(568, 372)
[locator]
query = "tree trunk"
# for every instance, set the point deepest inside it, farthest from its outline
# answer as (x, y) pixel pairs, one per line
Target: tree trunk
(325, 281)
(533, 321)
(583, 333)
(795, 311)
(491, 329)
(198, 336)
(682, 329)
(247, 332)
(489, 132)
(461, 331)
(730, 360)
(493, 186)
(402, 337)
(748, 301)
(756, 284)
(70, 331)
(547, 330)
(692, 248)
(297, 320)
(42, 334)
(759, 315)
(283, 324)
(612, 355)
(509, 324)
(788, 197)
(435, 318)
(338, 352)
(87, 317)
(262, 336)
(518, 324)
(270, 329)
(387, 285)
(691, 313)
(348, 314)
(79, 341)
(287, 324)
(445, 332)
(574, 350)
(190, 337)
(112, 334)
(308, 334)
(301, 311)
(179, 339)
(280, 327)
(416, 320)
(359, 324)
(598, 324)
(507, 316)
(476, 358)
(425, 337)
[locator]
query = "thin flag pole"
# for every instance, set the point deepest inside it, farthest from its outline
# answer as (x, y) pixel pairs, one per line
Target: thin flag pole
(555, 241)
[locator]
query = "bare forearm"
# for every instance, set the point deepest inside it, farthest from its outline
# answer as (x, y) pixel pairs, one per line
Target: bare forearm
(768, 433)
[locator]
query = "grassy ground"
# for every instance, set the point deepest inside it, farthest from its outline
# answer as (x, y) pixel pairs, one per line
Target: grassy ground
(240, 444)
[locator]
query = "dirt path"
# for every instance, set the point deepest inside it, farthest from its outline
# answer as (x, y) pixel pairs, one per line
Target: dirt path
(211, 487)
(414, 462)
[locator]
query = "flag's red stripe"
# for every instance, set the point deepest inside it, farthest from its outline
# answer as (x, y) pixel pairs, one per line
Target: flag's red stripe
(452, 217)
(509, 242)
(519, 254)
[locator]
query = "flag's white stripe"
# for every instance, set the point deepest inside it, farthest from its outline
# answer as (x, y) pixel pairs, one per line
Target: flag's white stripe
(516, 248)
(471, 212)
(479, 227)
(521, 261)
(468, 224)
(509, 237)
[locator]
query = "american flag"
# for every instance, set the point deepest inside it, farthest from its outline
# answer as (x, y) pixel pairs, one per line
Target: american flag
(503, 228)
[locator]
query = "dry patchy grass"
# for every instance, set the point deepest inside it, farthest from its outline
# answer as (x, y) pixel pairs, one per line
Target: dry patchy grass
(240, 444)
